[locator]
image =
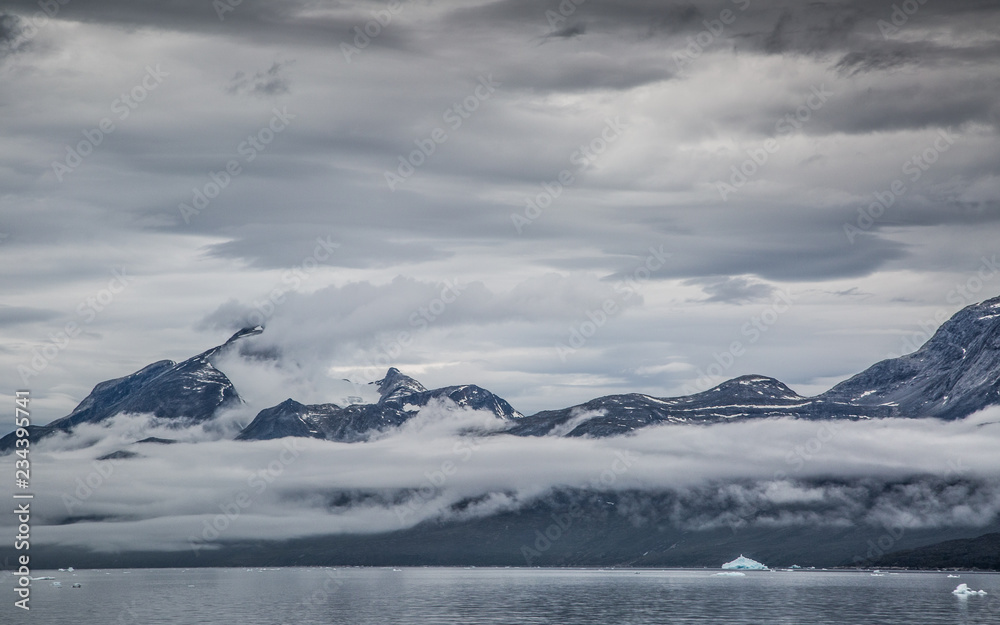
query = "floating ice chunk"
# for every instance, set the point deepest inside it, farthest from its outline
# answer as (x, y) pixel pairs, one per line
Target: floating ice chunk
(730, 574)
(77, 585)
(34, 579)
(57, 584)
(70, 569)
(955, 576)
(745, 563)
(963, 590)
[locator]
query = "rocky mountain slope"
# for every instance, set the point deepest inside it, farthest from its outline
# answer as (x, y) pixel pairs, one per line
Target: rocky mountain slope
(191, 391)
(954, 374)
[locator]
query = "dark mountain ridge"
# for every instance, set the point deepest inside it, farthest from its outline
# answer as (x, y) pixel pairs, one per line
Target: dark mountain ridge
(955, 373)
(189, 391)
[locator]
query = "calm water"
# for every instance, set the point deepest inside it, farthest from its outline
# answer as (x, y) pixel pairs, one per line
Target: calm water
(471, 596)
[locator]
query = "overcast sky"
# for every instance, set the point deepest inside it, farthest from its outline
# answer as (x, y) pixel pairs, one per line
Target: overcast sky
(553, 201)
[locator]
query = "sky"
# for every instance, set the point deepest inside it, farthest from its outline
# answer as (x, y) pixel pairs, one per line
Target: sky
(553, 200)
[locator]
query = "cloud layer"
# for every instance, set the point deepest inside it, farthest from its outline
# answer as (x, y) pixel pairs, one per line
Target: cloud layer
(915, 474)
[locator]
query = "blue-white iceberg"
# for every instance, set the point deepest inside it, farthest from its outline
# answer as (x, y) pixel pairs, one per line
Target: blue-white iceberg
(745, 563)
(963, 590)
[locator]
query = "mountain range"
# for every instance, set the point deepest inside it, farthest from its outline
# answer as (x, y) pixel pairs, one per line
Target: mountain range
(954, 374)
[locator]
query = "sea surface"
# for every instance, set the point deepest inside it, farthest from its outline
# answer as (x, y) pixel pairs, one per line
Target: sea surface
(417, 596)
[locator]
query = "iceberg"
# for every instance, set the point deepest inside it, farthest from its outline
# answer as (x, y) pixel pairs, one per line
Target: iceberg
(963, 590)
(745, 563)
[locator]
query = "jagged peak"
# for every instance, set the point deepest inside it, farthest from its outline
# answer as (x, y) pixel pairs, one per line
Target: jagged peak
(396, 385)
(247, 331)
(963, 327)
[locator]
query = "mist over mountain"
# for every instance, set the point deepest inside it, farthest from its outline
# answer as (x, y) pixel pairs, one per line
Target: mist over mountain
(159, 467)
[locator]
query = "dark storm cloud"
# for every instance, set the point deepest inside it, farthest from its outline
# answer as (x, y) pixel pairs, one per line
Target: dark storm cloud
(785, 246)
(263, 83)
(737, 289)
(574, 30)
(276, 246)
(260, 20)
(10, 29)
(18, 315)
(774, 26)
(859, 62)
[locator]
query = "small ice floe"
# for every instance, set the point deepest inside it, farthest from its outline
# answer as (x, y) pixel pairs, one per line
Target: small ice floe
(35, 579)
(745, 563)
(57, 584)
(70, 569)
(955, 576)
(963, 590)
(77, 585)
(62, 570)
(730, 574)
(878, 574)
